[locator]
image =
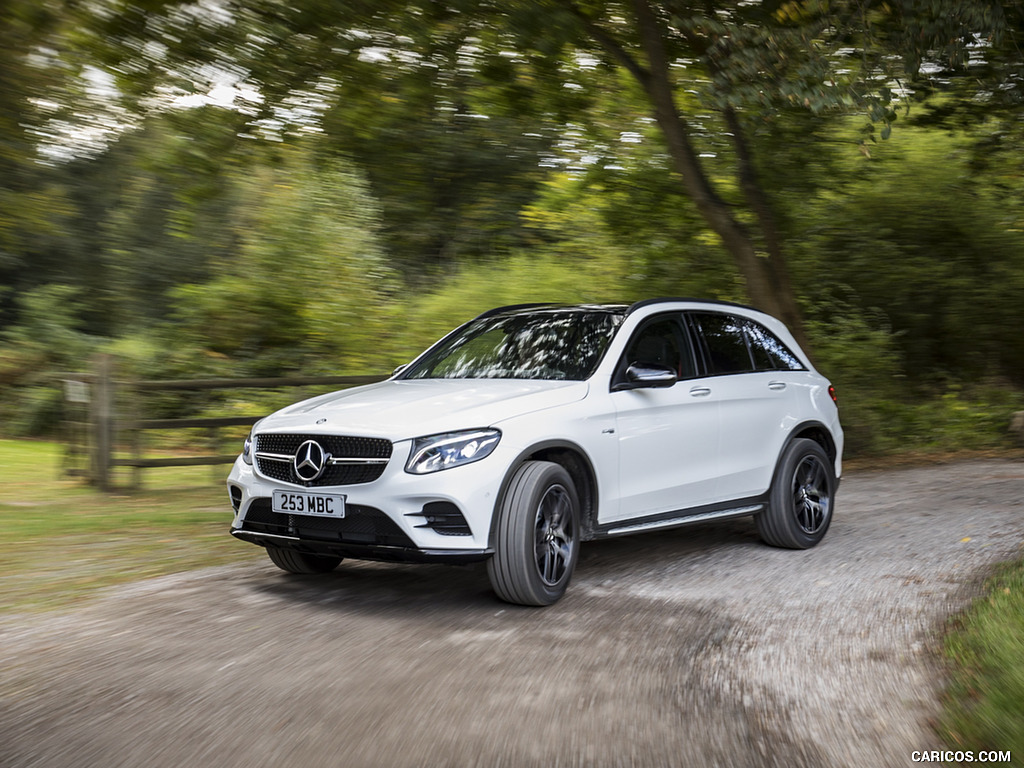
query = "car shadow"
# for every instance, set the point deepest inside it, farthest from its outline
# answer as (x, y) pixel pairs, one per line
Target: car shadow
(412, 589)
(670, 545)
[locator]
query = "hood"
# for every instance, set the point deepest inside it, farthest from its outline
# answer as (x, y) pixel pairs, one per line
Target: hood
(403, 409)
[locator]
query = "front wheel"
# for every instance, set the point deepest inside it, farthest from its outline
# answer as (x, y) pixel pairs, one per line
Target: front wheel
(537, 536)
(293, 561)
(802, 497)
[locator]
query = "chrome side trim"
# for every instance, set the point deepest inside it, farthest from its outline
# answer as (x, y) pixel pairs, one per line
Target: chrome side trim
(684, 520)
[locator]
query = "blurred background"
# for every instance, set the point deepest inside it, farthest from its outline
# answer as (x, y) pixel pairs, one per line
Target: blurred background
(215, 190)
(255, 189)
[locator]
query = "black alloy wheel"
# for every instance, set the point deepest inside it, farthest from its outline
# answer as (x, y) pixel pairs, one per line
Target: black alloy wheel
(802, 498)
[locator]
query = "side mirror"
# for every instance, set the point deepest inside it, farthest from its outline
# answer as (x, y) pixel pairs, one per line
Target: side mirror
(648, 375)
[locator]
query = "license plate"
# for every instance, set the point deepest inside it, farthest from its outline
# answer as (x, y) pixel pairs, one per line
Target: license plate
(317, 504)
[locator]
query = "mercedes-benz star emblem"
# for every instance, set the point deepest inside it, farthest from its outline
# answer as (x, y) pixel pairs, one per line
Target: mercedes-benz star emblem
(310, 461)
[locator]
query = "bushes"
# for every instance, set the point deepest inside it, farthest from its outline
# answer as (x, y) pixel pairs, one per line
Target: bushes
(909, 268)
(885, 411)
(45, 342)
(918, 239)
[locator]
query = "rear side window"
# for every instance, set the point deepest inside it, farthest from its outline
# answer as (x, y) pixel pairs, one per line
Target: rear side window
(725, 343)
(740, 345)
(770, 354)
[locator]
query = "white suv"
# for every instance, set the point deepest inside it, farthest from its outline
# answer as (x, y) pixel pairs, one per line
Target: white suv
(533, 428)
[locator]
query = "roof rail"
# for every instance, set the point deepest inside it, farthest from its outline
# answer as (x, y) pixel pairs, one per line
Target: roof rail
(511, 307)
(667, 299)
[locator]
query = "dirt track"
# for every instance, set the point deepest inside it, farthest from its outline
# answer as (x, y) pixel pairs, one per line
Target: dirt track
(696, 647)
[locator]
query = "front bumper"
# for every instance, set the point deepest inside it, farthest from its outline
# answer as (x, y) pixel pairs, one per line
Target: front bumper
(441, 517)
(384, 553)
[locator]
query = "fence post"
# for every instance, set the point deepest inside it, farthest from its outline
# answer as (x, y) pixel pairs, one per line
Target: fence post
(102, 407)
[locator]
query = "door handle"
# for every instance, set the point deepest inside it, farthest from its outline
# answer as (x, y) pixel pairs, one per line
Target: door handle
(776, 385)
(700, 391)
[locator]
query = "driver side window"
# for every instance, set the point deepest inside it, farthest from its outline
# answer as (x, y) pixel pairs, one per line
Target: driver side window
(660, 343)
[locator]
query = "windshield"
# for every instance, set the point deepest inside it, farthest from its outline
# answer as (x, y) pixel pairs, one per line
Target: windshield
(559, 345)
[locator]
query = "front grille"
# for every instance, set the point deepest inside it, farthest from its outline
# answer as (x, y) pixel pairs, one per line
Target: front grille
(361, 525)
(340, 447)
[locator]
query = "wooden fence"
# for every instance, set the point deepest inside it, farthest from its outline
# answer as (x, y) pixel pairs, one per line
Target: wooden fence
(103, 413)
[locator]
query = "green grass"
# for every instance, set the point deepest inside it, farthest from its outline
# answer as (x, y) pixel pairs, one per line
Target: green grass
(61, 540)
(984, 708)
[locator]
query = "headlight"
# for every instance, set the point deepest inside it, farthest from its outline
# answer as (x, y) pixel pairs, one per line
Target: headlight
(247, 449)
(247, 446)
(452, 449)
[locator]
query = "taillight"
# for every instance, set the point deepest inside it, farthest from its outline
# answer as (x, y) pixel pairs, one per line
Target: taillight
(832, 394)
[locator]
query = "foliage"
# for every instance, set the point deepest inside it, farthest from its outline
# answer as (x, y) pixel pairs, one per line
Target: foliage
(884, 410)
(916, 234)
(604, 238)
(450, 171)
(448, 106)
(525, 278)
(986, 694)
(162, 213)
(857, 352)
(46, 341)
(629, 213)
(328, 187)
(307, 280)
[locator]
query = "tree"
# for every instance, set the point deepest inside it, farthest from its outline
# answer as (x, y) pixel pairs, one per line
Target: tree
(508, 65)
(645, 49)
(30, 205)
(756, 60)
(917, 235)
(305, 284)
(394, 85)
(164, 222)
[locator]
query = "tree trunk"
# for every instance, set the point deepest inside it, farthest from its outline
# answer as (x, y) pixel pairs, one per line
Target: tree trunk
(766, 277)
(777, 271)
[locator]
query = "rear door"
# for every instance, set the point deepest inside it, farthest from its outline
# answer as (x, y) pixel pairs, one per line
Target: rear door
(752, 378)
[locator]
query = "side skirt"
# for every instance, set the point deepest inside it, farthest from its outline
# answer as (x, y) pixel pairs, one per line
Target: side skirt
(739, 508)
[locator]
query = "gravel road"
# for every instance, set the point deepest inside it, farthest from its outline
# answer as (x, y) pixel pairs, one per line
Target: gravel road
(695, 647)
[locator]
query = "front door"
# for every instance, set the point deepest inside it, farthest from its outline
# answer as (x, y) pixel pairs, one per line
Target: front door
(668, 436)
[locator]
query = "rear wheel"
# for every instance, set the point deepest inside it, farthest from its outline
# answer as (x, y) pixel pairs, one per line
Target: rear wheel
(802, 497)
(294, 561)
(537, 536)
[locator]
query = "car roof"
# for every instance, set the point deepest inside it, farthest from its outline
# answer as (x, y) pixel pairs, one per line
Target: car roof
(618, 309)
(516, 309)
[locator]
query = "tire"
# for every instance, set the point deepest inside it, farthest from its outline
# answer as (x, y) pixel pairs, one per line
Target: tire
(293, 561)
(802, 497)
(537, 537)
